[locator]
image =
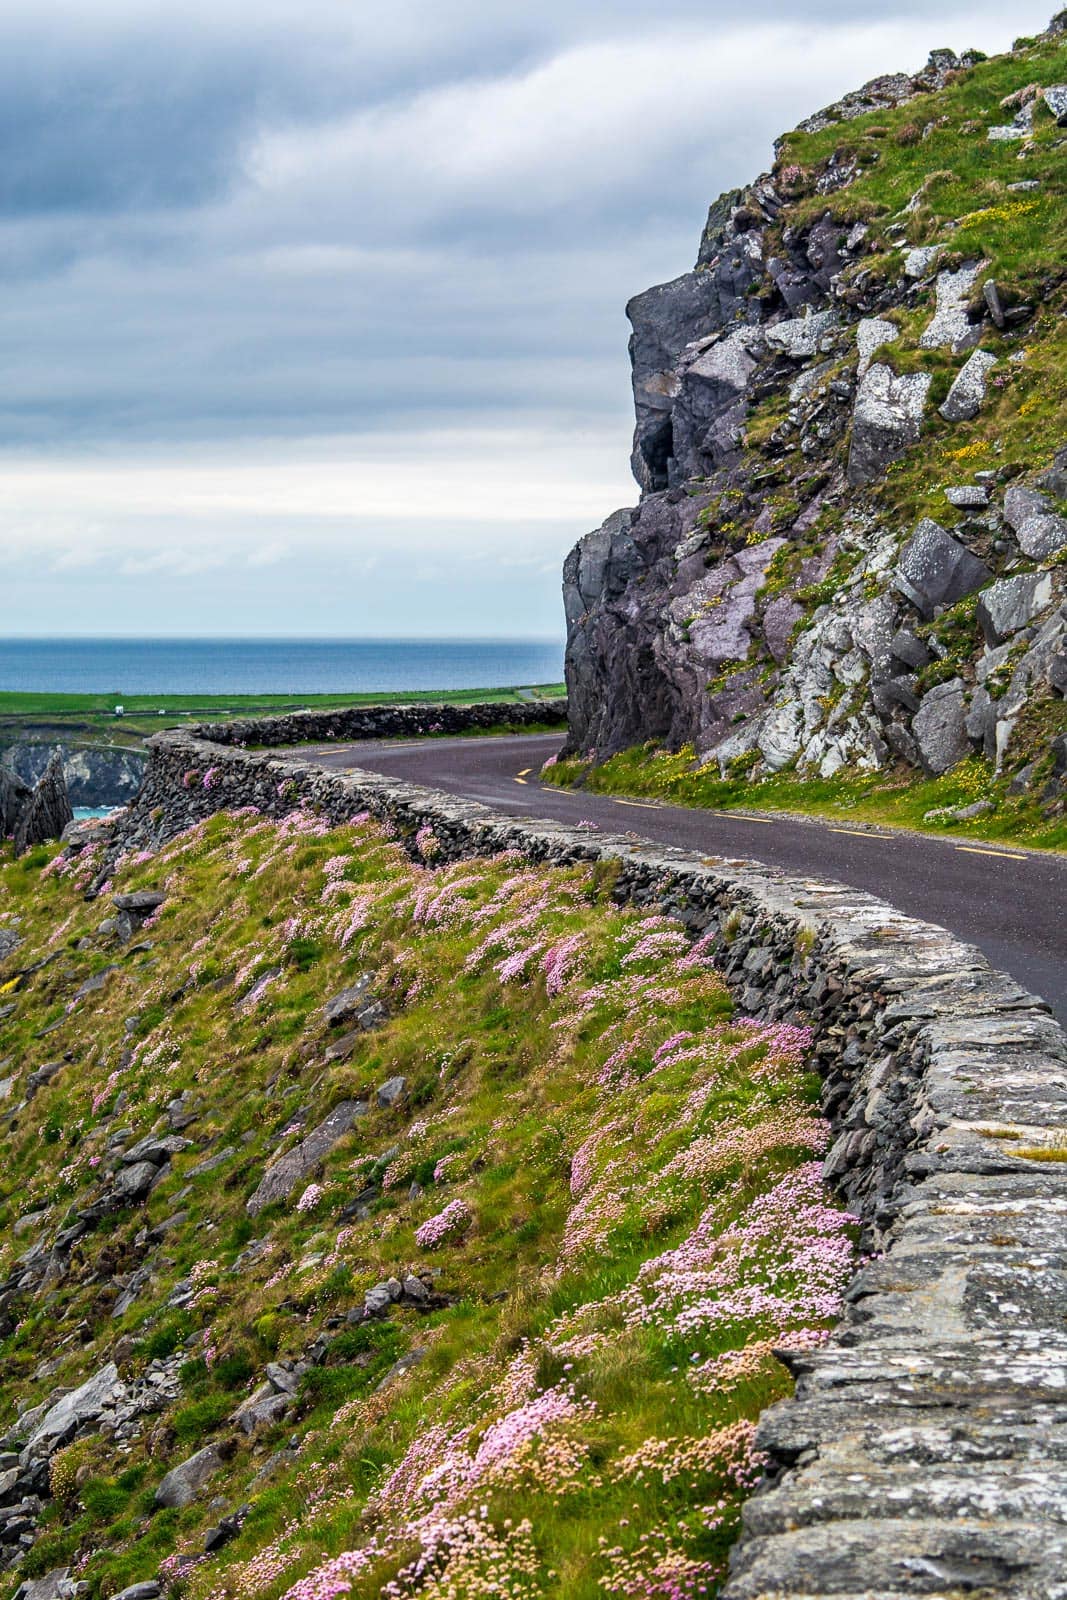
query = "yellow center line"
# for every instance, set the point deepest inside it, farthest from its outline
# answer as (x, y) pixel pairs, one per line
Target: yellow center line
(977, 850)
(859, 833)
(643, 805)
(520, 780)
(524, 772)
(739, 816)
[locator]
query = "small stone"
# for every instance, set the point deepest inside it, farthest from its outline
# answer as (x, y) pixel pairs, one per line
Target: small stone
(918, 262)
(1021, 503)
(967, 496)
(392, 1090)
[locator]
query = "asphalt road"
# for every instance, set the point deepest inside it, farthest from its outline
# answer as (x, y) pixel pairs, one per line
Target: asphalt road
(1011, 903)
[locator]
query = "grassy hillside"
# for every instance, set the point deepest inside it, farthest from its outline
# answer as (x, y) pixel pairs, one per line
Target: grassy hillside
(502, 1329)
(90, 718)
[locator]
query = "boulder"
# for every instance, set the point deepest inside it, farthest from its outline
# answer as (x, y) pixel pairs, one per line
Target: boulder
(183, 1483)
(133, 1183)
(968, 496)
(47, 811)
(54, 1585)
(74, 1410)
(1055, 97)
(264, 1407)
(1021, 504)
(935, 570)
(148, 1589)
(886, 419)
(355, 1004)
(964, 399)
(1013, 603)
(917, 262)
(279, 1180)
(950, 326)
(392, 1090)
(939, 727)
(799, 337)
(1042, 537)
(156, 1148)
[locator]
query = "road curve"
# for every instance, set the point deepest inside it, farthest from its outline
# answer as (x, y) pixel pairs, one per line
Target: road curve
(1011, 903)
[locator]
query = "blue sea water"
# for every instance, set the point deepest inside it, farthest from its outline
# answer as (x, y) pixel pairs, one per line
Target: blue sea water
(273, 666)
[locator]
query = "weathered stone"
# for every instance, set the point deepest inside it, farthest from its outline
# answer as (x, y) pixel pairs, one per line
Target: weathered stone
(142, 902)
(1055, 97)
(74, 1410)
(950, 324)
(1040, 538)
(156, 1148)
(968, 496)
(47, 811)
(279, 1180)
(964, 399)
(1012, 603)
(183, 1483)
(939, 727)
(887, 418)
(133, 1183)
(799, 337)
(148, 1589)
(262, 1409)
(54, 1585)
(919, 260)
(871, 334)
(1022, 503)
(392, 1090)
(13, 797)
(935, 570)
(355, 1004)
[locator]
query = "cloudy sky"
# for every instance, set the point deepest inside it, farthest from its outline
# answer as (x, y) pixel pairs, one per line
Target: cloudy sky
(311, 311)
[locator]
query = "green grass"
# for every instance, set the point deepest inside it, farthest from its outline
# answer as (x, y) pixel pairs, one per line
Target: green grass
(91, 719)
(582, 1144)
(892, 800)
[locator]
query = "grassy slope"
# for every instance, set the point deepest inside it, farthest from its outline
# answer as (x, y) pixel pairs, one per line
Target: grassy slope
(968, 208)
(578, 1092)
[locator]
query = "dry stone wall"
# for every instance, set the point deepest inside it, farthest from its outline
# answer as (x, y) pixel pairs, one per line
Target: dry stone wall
(380, 722)
(925, 1451)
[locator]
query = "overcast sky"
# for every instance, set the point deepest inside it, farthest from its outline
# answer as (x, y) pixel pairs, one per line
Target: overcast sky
(311, 311)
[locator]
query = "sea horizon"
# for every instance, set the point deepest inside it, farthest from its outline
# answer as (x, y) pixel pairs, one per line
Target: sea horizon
(296, 665)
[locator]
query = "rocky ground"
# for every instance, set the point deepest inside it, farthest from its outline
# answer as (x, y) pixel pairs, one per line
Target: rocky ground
(849, 552)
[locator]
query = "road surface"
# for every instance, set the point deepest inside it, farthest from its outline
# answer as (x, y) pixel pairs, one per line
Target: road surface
(1012, 903)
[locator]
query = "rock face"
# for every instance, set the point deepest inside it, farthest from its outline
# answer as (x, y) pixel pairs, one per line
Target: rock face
(747, 606)
(46, 811)
(95, 775)
(183, 1483)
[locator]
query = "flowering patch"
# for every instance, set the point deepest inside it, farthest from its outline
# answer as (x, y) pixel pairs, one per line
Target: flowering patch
(450, 1223)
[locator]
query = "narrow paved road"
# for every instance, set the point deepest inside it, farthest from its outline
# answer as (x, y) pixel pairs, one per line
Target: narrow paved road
(1011, 903)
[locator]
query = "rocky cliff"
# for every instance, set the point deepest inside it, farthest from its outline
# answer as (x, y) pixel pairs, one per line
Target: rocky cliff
(95, 775)
(849, 548)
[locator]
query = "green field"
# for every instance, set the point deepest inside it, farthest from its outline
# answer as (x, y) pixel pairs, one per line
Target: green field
(90, 718)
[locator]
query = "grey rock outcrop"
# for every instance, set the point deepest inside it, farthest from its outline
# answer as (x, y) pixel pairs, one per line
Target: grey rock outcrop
(47, 811)
(887, 419)
(939, 727)
(1042, 537)
(1011, 604)
(96, 775)
(184, 1483)
(14, 794)
(935, 570)
(280, 1179)
(81, 1405)
(964, 399)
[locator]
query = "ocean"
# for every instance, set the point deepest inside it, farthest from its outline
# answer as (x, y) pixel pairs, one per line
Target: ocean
(273, 666)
